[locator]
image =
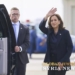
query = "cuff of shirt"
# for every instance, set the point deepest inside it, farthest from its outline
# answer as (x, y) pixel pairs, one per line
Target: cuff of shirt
(20, 48)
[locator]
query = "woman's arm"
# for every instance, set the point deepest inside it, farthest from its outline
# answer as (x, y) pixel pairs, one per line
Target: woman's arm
(42, 26)
(43, 22)
(69, 47)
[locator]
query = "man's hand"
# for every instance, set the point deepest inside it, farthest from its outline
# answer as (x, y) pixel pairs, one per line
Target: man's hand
(51, 12)
(17, 49)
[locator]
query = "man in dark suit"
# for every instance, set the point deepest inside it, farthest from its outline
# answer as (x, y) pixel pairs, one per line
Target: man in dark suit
(22, 42)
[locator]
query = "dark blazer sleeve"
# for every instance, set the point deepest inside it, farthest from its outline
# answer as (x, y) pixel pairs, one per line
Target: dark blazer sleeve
(42, 26)
(69, 47)
(25, 45)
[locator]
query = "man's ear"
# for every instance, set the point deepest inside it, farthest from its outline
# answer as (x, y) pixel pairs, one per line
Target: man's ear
(19, 16)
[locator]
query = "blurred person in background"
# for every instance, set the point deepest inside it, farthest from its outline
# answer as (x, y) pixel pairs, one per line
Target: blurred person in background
(33, 37)
(22, 42)
(59, 43)
(43, 42)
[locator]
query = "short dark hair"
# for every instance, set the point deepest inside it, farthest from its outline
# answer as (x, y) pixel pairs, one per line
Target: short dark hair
(14, 8)
(59, 18)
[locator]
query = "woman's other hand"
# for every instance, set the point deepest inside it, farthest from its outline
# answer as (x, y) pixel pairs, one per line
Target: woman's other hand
(60, 65)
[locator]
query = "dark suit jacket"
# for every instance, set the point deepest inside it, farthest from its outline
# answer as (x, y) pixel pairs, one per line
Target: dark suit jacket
(23, 41)
(64, 45)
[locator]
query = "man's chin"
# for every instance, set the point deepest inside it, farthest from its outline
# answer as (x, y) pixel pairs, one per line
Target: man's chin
(15, 21)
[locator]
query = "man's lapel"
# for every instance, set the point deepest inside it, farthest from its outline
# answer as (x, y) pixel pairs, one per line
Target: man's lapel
(20, 32)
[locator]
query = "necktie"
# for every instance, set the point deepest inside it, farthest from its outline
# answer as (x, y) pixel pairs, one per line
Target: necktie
(15, 31)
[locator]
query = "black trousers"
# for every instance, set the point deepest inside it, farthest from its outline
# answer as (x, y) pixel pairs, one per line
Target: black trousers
(20, 68)
(56, 72)
(53, 58)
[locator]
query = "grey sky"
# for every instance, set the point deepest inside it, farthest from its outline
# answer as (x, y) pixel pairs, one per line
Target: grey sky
(33, 9)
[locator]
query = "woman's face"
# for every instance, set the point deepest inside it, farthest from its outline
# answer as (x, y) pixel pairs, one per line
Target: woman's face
(54, 22)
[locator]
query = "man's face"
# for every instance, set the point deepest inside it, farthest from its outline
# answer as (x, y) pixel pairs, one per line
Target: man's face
(14, 15)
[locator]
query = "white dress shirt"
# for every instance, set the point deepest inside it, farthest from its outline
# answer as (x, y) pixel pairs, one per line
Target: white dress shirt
(16, 29)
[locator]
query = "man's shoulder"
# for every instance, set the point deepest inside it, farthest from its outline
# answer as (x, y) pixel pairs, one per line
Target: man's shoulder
(24, 26)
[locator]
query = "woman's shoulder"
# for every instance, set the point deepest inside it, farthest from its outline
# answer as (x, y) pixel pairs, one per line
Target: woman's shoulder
(65, 30)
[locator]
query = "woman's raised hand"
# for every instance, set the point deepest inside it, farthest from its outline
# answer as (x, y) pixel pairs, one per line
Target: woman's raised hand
(51, 12)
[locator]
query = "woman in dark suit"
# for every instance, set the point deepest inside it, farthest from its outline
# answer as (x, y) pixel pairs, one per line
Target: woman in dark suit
(59, 44)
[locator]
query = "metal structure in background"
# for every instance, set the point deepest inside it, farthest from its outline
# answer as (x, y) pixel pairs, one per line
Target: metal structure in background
(3, 56)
